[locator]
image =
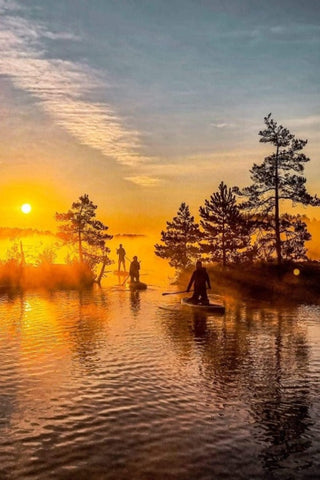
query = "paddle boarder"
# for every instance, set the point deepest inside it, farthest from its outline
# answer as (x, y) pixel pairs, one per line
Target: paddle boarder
(134, 270)
(121, 257)
(201, 280)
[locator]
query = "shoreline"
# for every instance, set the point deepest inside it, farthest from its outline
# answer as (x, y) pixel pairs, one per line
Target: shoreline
(290, 282)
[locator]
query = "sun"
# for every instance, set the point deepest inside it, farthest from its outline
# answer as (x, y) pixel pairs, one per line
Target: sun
(26, 208)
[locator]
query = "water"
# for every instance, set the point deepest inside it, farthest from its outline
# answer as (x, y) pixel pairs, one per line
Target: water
(113, 385)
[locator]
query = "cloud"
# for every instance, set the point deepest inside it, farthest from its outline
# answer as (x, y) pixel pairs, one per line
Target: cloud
(9, 5)
(143, 180)
(221, 125)
(203, 165)
(290, 32)
(61, 36)
(309, 121)
(62, 88)
(295, 31)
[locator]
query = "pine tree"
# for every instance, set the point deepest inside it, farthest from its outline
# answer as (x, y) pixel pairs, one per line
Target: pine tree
(226, 232)
(80, 227)
(278, 178)
(180, 240)
(294, 234)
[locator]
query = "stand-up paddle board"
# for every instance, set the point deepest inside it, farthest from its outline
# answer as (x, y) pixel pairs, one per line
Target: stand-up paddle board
(137, 286)
(211, 307)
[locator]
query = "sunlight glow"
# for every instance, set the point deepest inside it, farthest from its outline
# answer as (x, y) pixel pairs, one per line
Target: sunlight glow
(26, 208)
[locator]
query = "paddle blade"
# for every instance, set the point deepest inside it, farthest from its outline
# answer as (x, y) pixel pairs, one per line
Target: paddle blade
(174, 293)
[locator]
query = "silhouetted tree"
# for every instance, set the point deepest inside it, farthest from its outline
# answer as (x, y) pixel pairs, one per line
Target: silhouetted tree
(294, 234)
(226, 231)
(278, 178)
(82, 228)
(180, 239)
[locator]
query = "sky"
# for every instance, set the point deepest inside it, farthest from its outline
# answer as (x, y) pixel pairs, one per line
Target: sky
(146, 104)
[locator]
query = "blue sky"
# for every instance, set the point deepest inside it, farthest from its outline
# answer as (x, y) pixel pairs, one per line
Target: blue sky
(157, 98)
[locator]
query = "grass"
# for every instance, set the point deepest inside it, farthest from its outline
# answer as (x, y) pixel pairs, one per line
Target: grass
(14, 276)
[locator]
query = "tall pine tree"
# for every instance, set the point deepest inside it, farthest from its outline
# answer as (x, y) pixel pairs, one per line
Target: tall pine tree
(278, 178)
(80, 227)
(180, 240)
(226, 232)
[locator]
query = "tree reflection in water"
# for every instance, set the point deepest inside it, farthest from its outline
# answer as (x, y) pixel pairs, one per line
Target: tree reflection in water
(282, 408)
(260, 356)
(88, 331)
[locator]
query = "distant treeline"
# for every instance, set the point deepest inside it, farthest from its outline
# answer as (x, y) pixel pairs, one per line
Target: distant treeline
(14, 233)
(128, 235)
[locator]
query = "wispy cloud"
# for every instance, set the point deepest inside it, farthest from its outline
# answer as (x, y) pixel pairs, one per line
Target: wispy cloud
(195, 166)
(144, 180)
(293, 32)
(62, 88)
(221, 125)
(61, 36)
(309, 121)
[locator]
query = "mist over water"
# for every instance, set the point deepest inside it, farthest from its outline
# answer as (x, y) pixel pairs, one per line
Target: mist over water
(116, 384)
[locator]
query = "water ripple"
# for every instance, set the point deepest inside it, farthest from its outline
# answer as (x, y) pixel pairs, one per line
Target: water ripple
(104, 385)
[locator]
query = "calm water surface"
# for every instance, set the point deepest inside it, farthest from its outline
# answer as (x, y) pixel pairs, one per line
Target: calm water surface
(113, 385)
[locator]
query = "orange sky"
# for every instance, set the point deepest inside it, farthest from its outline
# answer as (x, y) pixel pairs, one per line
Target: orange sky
(157, 118)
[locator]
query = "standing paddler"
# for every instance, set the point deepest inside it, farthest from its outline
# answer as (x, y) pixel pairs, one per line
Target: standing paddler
(121, 257)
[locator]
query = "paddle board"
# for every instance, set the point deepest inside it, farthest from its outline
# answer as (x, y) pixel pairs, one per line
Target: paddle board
(137, 286)
(212, 307)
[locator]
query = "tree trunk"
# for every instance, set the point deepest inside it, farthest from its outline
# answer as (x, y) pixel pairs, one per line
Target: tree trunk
(23, 261)
(276, 212)
(224, 259)
(80, 248)
(102, 271)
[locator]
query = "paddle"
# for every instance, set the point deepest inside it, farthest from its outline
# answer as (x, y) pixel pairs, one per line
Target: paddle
(174, 293)
(125, 280)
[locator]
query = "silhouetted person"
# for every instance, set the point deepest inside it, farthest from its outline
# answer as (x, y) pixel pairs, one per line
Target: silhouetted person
(121, 257)
(201, 279)
(134, 270)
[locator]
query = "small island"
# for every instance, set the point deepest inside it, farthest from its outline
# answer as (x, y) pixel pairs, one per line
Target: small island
(250, 238)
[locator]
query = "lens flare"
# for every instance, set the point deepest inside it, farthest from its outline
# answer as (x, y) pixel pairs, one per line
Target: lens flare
(26, 208)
